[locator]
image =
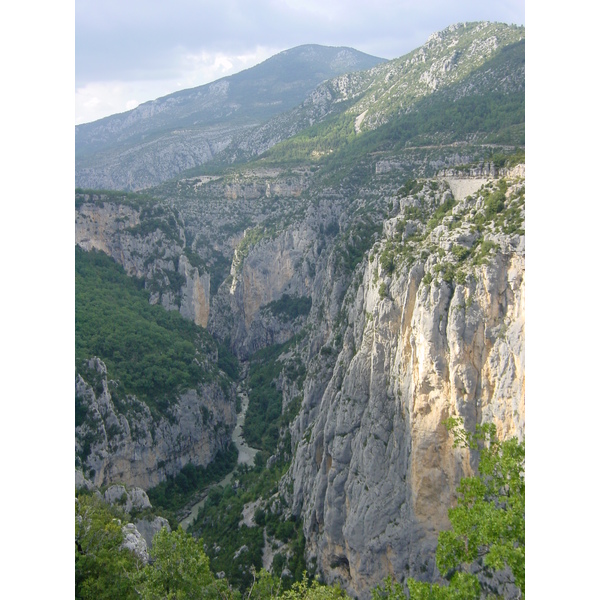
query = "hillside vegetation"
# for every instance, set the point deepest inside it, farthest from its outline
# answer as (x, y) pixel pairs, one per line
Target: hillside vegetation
(151, 352)
(160, 139)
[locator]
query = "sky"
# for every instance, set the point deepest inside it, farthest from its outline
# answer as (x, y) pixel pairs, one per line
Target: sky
(129, 52)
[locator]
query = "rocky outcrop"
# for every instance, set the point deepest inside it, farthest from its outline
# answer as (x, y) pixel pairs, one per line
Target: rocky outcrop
(137, 535)
(135, 542)
(81, 483)
(128, 444)
(128, 499)
(374, 471)
(195, 293)
(149, 528)
(147, 246)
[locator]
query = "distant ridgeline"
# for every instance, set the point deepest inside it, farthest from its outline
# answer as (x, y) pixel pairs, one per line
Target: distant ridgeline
(161, 139)
(359, 248)
(465, 84)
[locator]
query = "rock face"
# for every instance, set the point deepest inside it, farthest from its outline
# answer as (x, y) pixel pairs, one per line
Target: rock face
(417, 314)
(135, 542)
(131, 446)
(195, 293)
(154, 252)
(272, 268)
(374, 470)
(148, 529)
(128, 499)
(428, 324)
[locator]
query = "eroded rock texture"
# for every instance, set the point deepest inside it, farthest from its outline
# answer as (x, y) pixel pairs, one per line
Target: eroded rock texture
(417, 299)
(374, 471)
(129, 445)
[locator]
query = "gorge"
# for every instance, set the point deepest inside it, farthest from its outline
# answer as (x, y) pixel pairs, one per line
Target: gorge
(361, 255)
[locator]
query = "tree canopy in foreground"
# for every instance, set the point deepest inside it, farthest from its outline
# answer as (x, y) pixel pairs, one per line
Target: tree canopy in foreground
(487, 528)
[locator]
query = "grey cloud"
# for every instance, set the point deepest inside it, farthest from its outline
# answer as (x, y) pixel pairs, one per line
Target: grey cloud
(141, 39)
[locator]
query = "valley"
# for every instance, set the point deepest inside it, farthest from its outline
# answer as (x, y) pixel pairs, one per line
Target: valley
(245, 456)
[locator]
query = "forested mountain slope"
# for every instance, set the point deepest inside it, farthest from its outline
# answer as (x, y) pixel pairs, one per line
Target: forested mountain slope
(150, 396)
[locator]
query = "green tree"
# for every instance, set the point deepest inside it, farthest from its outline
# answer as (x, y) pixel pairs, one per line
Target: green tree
(461, 587)
(488, 522)
(489, 519)
(179, 570)
(103, 570)
(265, 586)
(305, 590)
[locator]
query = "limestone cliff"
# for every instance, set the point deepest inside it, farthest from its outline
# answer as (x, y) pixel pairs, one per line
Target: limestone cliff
(434, 328)
(149, 242)
(272, 268)
(426, 323)
(417, 314)
(121, 441)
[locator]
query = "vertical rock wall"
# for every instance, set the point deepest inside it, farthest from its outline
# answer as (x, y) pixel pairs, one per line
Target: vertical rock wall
(374, 471)
(111, 227)
(126, 444)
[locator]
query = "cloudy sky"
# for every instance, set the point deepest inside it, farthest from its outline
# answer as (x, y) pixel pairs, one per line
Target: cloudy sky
(128, 52)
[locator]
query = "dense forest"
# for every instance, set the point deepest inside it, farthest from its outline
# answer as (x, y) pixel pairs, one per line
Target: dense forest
(153, 353)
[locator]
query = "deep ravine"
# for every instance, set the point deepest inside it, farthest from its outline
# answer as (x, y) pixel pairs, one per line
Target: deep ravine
(246, 453)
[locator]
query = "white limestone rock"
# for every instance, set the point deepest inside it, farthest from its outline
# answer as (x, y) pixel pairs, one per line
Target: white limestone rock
(134, 541)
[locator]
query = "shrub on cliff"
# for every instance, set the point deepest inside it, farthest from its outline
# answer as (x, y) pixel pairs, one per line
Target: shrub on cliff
(488, 522)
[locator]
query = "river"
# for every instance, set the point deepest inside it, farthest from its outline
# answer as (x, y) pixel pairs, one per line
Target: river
(246, 454)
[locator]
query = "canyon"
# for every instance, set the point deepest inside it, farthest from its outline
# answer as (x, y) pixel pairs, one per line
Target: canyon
(388, 283)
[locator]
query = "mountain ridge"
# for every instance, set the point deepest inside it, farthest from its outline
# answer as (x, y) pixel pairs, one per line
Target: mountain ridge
(205, 114)
(233, 132)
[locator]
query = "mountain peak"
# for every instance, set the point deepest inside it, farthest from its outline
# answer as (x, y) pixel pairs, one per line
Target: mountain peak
(229, 105)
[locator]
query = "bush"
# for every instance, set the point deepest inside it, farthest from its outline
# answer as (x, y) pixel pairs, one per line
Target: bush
(290, 307)
(440, 212)
(460, 252)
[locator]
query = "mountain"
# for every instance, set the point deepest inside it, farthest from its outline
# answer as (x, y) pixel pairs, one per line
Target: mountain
(466, 84)
(157, 399)
(368, 272)
(159, 139)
